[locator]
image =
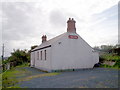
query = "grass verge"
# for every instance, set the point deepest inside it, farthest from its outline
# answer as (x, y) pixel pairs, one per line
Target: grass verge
(0, 81)
(39, 75)
(10, 77)
(110, 57)
(108, 66)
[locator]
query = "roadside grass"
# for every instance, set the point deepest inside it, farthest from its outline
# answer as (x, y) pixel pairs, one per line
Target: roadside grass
(111, 57)
(39, 75)
(0, 81)
(82, 87)
(10, 77)
(16, 86)
(0, 67)
(0, 61)
(108, 66)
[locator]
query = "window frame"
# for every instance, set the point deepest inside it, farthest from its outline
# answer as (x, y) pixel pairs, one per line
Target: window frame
(45, 54)
(37, 55)
(41, 54)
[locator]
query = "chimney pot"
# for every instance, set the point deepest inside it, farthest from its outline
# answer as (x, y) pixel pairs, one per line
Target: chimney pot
(71, 25)
(44, 38)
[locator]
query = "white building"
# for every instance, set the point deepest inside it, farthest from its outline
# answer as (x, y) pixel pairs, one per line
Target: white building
(66, 51)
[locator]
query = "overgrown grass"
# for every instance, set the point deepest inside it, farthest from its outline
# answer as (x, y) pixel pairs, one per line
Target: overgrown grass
(16, 86)
(39, 75)
(10, 77)
(111, 57)
(0, 61)
(108, 66)
(0, 81)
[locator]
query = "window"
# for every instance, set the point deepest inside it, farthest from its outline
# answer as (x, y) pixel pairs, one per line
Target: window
(34, 56)
(45, 54)
(41, 55)
(38, 55)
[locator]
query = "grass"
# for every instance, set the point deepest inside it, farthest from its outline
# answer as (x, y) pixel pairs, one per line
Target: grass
(0, 81)
(0, 62)
(39, 75)
(108, 66)
(10, 77)
(16, 86)
(111, 57)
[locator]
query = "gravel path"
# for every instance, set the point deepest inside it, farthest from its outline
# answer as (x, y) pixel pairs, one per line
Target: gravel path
(91, 78)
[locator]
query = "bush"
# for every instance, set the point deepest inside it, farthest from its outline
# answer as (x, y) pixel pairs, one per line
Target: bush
(117, 64)
(19, 57)
(110, 57)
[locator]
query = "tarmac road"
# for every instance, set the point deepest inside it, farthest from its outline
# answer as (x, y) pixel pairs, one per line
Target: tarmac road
(90, 78)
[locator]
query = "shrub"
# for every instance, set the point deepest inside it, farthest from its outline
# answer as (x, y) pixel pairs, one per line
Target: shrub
(110, 57)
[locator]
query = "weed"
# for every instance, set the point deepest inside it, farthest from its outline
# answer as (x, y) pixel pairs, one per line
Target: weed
(16, 86)
(39, 75)
(10, 77)
(111, 57)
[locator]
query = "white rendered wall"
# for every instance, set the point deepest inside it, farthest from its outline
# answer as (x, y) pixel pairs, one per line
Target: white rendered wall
(42, 64)
(32, 59)
(72, 54)
(95, 57)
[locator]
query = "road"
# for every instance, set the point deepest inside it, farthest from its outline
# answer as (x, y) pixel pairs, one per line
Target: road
(91, 78)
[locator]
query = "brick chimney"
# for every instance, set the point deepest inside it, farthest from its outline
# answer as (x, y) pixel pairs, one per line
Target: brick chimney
(44, 38)
(71, 25)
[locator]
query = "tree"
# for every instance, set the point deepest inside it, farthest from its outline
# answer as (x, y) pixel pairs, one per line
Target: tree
(106, 48)
(19, 56)
(32, 47)
(96, 48)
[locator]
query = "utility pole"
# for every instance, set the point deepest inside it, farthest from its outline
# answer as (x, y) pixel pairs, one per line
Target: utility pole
(3, 52)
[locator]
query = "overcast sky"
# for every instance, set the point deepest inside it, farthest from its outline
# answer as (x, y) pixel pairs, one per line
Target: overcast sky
(23, 23)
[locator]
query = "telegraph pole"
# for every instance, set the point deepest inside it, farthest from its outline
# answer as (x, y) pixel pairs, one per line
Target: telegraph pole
(3, 52)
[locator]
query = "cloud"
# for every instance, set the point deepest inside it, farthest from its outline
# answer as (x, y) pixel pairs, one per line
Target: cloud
(57, 18)
(24, 22)
(105, 25)
(15, 21)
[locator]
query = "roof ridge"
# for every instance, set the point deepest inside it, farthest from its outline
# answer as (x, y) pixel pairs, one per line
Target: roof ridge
(49, 42)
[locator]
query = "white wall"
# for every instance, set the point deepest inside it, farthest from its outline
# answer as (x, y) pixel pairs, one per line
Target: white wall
(72, 54)
(66, 54)
(42, 64)
(32, 59)
(95, 57)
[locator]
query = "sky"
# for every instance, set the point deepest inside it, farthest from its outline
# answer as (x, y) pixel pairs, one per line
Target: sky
(23, 22)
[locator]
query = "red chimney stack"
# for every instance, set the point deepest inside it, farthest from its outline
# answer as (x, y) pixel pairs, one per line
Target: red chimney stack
(71, 25)
(44, 38)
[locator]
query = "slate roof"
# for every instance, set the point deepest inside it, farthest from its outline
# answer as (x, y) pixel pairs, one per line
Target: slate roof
(51, 41)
